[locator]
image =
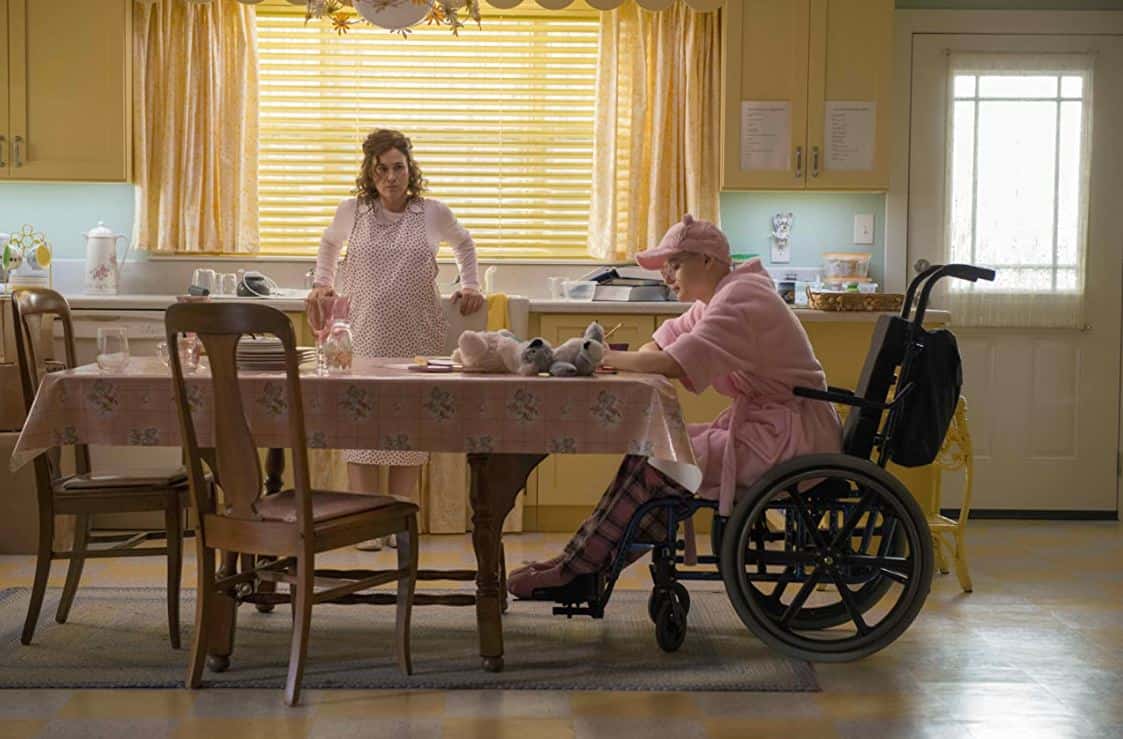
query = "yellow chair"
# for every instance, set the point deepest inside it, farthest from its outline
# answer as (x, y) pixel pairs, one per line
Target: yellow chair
(955, 454)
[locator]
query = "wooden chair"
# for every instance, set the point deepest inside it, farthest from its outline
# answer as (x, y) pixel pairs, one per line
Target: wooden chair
(85, 494)
(956, 454)
(291, 526)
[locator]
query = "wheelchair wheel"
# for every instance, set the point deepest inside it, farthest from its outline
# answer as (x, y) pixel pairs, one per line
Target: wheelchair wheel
(670, 624)
(827, 558)
(655, 601)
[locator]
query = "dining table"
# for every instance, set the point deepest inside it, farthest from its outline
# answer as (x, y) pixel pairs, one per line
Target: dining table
(506, 424)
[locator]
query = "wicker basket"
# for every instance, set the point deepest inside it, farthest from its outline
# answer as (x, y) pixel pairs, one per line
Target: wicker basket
(855, 301)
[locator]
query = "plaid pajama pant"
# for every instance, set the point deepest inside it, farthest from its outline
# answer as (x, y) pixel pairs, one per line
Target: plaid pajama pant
(594, 545)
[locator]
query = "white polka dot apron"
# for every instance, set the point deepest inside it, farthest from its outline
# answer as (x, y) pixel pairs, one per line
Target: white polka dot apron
(390, 273)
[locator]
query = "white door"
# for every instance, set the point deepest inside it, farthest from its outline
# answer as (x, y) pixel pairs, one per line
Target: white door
(1043, 403)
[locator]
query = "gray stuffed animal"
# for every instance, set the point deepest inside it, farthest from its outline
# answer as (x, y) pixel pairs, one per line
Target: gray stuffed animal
(580, 357)
(535, 356)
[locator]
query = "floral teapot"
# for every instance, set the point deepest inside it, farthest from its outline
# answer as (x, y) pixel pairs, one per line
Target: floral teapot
(103, 271)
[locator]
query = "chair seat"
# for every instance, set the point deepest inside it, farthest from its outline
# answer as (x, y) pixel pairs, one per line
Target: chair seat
(154, 478)
(326, 505)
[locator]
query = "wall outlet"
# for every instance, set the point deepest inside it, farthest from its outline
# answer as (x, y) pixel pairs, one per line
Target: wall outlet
(863, 228)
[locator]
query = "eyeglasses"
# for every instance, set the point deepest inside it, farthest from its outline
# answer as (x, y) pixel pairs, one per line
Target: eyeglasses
(675, 262)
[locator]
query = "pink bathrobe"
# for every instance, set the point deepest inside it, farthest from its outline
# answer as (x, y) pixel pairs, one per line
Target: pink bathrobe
(750, 346)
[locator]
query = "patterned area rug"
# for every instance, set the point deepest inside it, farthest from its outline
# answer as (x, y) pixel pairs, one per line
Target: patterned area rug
(117, 638)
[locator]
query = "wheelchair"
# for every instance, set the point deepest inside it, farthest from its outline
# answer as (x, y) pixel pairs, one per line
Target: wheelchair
(827, 557)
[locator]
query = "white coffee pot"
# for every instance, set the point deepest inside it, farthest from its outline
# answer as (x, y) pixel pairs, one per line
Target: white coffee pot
(103, 271)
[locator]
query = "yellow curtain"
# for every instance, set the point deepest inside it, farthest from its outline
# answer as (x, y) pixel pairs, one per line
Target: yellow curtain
(657, 137)
(195, 126)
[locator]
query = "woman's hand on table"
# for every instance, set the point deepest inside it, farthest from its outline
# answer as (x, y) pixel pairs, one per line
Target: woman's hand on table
(653, 361)
(469, 299)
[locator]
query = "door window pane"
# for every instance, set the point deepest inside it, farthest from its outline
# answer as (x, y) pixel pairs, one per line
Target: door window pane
(1017, 86)
(1016, 173)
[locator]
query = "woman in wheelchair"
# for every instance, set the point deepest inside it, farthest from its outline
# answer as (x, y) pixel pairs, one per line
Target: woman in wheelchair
(739, 337)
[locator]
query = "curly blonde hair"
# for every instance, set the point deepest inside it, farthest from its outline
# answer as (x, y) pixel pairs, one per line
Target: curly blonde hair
(376, 144)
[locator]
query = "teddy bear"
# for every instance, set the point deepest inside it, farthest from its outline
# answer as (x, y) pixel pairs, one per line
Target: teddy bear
(580, 357)
(502, 352)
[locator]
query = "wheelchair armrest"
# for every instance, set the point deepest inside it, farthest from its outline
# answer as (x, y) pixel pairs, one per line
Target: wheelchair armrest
(836, 395)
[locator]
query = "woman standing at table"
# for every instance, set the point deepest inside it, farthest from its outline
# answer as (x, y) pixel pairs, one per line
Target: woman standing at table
(390, 271)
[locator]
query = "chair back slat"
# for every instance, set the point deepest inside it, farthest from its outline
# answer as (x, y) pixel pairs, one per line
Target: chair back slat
(219, 327)
(235, 452)
(34, 312)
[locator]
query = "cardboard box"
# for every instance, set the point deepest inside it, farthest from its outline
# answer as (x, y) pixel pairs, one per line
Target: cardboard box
(12, 411)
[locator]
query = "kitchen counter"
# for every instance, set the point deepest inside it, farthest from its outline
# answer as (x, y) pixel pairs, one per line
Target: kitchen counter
(160, 302)
(675, 308)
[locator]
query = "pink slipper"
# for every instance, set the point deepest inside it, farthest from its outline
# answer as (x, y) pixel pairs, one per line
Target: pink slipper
(523, 584)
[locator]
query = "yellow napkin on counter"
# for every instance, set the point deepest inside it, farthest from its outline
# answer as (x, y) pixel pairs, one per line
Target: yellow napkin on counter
(497, 317)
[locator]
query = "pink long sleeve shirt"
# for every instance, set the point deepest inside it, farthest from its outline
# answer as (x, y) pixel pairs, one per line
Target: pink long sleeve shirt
(749, 345)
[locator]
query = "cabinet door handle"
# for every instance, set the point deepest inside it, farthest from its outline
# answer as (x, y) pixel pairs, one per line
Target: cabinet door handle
(18, 141)
(814, 161)
(798, 162)
(3, 145)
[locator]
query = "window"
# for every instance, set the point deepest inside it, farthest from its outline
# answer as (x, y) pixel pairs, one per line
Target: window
(1018, 162)
(501, 120)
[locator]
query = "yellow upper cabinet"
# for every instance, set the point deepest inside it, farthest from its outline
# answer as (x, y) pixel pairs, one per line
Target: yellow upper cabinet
(5, 135)
(64, 112)
(817, 76)
(850, 80)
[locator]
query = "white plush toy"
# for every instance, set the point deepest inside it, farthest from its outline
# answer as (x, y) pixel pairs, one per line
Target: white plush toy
(501, 352)
(488, 351)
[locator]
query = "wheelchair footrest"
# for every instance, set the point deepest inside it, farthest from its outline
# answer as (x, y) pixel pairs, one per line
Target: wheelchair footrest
(573, 597)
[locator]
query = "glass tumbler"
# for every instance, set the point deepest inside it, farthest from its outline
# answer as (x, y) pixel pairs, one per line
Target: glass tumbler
(112, 349)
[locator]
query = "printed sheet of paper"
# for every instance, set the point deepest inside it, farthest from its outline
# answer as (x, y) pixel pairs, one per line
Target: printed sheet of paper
(850, 129)
(766, 132)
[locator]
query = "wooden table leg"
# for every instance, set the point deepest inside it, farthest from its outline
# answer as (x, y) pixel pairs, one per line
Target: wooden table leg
(495, 481)
(274, 481)
(220, 643)
(274, 470)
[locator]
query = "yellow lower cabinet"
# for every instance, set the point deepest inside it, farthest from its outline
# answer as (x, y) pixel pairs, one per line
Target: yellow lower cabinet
(570, 485)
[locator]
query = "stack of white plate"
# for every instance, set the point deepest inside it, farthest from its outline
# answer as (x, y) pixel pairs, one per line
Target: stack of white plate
(267, 354)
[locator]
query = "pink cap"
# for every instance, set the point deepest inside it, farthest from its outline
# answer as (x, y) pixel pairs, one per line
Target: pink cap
(689, 235)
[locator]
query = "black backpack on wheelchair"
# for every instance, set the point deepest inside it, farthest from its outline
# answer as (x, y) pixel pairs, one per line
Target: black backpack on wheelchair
(827, 557)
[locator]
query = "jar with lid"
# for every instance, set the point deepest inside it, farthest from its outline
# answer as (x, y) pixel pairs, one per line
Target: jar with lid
(338, 351)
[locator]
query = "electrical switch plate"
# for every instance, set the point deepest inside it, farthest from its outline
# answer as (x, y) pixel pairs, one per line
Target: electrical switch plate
(863, 228)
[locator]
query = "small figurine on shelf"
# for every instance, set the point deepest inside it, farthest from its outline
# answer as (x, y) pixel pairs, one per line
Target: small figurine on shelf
(781, 236)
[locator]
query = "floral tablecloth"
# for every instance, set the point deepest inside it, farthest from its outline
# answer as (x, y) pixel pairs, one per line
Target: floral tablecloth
(380, 405)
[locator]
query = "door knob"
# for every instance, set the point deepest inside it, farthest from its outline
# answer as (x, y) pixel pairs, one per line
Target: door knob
(921, 265)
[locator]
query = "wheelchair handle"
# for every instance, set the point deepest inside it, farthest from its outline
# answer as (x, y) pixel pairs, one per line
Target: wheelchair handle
(934, 274)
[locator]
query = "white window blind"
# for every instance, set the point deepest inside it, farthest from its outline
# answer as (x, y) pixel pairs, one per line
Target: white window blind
(501, 119)
(1018, 181)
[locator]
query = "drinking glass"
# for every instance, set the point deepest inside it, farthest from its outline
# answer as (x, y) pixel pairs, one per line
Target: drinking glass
(112, 349)
(188, 353)
(228, 284)
(204, 278)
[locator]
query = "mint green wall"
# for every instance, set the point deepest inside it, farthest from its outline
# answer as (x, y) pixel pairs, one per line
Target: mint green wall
(64, 211)
(823, 221)
(1010, 4)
